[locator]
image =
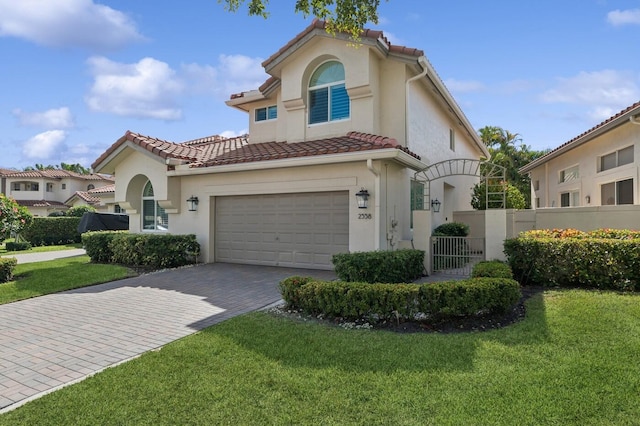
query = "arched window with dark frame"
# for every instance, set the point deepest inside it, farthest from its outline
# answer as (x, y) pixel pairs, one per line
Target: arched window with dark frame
(154, 217)
(328, 97)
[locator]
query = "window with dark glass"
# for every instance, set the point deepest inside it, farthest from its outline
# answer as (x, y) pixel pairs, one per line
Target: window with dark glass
(154, 217)
(617, 193)
(328, 97)
(266, 113)
(616, 159)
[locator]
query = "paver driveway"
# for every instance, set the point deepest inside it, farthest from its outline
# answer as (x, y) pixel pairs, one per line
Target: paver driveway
(54, 340)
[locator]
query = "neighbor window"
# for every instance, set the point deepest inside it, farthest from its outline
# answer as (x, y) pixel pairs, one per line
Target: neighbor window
(49, 187)
(328, 97)
(118, 209)
(616, 159)
(90, 187)
(570, 174)
(452, 139)
(15, 186)
(616, 193)
(570, 199)
(417, 197)
(31, 186)
(536, 185)
(266, 113)
(64, 186)
(154, 217)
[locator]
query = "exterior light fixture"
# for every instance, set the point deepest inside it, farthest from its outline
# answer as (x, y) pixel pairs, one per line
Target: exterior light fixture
(192, 202)
(435, 205)
(363, 198)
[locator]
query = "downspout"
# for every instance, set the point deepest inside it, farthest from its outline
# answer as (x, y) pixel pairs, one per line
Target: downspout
(422, 60)
(376, 211)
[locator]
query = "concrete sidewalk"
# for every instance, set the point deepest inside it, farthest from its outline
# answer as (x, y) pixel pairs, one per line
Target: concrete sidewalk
(55, 340)
(47, 255)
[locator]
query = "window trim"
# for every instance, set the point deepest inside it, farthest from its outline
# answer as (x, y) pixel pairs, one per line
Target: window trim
(267, 113)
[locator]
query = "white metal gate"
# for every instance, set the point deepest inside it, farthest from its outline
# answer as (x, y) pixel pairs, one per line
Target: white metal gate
(456, 255)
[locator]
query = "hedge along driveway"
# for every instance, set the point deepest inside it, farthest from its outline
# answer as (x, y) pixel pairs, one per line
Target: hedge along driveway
(54, 340)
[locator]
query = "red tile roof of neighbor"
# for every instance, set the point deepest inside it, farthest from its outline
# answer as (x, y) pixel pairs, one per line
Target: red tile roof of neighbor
(40, 203)
(103, 189)
(216, 150)
(57, 174)
(86, 197)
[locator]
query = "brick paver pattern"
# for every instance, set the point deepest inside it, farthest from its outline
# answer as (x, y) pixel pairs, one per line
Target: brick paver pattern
(54, 340)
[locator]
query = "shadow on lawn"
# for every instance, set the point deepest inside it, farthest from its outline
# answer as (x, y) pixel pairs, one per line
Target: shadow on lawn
(318, 345)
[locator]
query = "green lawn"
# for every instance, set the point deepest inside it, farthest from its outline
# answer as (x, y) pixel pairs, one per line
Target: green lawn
(574, 360)
(39, 249)
(38, 278)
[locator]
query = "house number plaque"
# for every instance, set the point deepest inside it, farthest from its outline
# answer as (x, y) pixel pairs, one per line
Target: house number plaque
(364, 215)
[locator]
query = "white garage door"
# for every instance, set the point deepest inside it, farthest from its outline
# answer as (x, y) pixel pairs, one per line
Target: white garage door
(292, 230)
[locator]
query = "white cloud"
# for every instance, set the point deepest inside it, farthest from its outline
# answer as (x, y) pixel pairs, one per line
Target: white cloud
(232, 74)
(233, 133)
(608, 87)
(464, 86)
(624, 17)
(44, 145)
(67, 23)
(59, 118)
(146, 89)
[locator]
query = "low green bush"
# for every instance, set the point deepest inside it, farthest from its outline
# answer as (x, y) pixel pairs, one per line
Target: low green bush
(154, 250)
(603, 263)
(17, 246)
(380, 266)
(358, 300)
(97, 245)
(491, 269)
(452, 229)
(7, 265)
(48, 231)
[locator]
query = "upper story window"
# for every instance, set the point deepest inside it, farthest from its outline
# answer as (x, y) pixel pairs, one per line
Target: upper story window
(266, 113)
(570, 174)
(452, 139)
(64, 186)
(616, 159)
(154, 217)
(49, 187)
(90, 187)
(328, 97)
(15, 186)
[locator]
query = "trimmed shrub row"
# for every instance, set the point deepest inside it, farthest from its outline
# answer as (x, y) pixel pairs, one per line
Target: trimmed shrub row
(141, 250)
(48, 231)
(612, 264)
(491, 269)
(357, 300)
(380, 266)
(7, 265)
(17, 246)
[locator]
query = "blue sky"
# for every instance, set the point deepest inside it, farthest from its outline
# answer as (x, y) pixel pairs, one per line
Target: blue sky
(75, 75)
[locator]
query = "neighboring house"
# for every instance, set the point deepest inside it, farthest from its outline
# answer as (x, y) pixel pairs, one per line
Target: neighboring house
(101, 198)
(597, 168)
(332, 122)
(45, 191)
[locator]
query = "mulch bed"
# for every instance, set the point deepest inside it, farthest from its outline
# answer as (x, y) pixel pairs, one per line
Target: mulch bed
(457, 325)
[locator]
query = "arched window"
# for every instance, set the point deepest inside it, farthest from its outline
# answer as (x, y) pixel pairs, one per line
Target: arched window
(154, 218)
(328, 98)
(90, 187)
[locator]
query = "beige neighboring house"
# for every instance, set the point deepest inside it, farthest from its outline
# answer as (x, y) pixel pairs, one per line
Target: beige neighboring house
(101, 198)
(597, 168)
(332, 122)
(46, 191)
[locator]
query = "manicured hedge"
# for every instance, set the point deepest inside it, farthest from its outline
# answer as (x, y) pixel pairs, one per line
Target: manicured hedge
(380, 266)
(357, 300)
(141, 250)
(7, 265)
(48, 231)
(491, 269)
(17, 246)
(576, 259)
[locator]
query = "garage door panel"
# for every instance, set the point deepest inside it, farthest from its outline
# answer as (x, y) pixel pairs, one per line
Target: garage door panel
(296, 230)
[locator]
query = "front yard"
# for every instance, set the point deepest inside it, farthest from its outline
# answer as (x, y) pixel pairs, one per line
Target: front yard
(573, 360)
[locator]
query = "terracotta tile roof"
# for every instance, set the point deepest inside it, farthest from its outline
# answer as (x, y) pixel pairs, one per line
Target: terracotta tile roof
(40, 203)
(107, 189)
(352, 142)
(57, 174)
(4, 172)
(85, 196)
(583, 137)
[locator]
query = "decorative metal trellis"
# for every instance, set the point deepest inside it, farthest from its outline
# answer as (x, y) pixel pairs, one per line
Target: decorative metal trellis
(492, 175)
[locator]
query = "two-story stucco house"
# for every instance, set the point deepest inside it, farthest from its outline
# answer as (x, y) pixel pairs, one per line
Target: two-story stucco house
(46, 191)
(597, 168)
(333, 122)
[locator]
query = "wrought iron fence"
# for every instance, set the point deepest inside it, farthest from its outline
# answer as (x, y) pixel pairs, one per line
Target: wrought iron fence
(456, 255)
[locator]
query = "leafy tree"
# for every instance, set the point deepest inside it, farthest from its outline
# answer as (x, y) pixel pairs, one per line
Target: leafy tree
(77, 168)
(513, 197)
(348, 16)
(13, 218)
(508, 151)
(78, 211)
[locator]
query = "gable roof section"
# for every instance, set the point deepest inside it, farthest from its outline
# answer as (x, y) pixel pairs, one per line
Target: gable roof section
(610, 123)
(84, 196)
(40, 203)
(57, 174)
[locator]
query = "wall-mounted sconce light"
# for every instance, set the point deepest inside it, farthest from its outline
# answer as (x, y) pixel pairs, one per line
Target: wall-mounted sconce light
(363, 198)
(435, 205)
(192, 202)
(588, 199)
